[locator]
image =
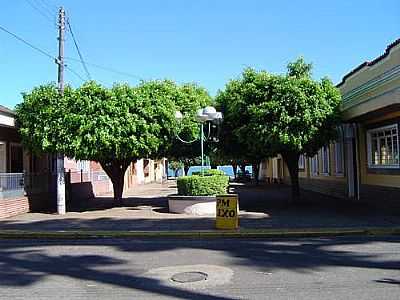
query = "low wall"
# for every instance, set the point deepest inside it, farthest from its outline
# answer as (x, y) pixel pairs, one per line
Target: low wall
(332, 188)
(79, 193)
(193, 205)
(102, 187)
(381, 196)
(13, 206)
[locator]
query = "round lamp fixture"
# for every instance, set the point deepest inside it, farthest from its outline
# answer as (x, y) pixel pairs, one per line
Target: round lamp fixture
(210, 111)
(201, 117)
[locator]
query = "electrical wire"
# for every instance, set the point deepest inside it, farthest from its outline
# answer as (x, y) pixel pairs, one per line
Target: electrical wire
(27, 43)
(53, 58)
(40, 11)
(50, 8)
(74, 72)
(78, 50)
(105, 68)
(40, 51)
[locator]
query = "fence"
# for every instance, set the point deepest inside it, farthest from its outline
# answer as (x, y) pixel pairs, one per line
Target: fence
(11, 181)
(11, 185)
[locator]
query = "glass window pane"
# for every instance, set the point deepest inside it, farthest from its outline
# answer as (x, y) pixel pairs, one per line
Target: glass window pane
(374, 152)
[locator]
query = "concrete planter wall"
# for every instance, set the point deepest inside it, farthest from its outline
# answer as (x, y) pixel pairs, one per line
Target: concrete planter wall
(193, 205)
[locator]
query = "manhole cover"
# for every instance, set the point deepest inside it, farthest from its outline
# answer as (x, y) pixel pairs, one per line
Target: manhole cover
(186, 277)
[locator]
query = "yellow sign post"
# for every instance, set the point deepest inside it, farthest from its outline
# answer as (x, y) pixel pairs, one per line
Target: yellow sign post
(227, 212)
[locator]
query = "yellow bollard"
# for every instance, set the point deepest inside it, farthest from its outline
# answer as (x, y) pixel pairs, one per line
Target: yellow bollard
(227, 216)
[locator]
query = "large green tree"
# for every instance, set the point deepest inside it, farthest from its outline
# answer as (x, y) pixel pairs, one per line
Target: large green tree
(237, 145)
(290, 114)
(113, 126)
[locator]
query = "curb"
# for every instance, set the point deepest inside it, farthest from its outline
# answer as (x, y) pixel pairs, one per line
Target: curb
(241, 233)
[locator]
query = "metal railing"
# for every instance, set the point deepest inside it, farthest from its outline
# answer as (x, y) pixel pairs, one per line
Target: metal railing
(11, 181)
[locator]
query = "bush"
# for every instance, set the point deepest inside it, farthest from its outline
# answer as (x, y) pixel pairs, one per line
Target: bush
(208, 172)
(215, 172)
(196, 185)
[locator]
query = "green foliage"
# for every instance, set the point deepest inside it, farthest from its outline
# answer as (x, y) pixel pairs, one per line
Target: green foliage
(175, 165)
(290, 114)
(209, 172)
(237, 143)
(100, 124)
(299, 68)
(113, 126)
(215, 172)
(190, 98)
(196, 185)
(274, 113)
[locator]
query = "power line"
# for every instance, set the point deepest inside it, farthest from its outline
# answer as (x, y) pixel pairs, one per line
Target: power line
(109, 69)
(40, 11)
(40, 50)
(51, 8)
(74, 72)
(79, 52)
(27, 43)
(45, 53)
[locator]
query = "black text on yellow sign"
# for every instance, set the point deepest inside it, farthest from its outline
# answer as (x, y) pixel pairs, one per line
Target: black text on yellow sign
(227, 212)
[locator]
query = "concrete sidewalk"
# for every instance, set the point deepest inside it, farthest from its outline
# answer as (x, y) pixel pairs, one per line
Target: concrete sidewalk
(262, 208)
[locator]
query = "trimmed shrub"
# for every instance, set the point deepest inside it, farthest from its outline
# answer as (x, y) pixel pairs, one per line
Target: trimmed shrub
(196, 185)
(208, 172)
(215, 172)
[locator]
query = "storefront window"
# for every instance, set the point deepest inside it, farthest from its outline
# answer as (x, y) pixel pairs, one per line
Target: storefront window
(383, 147)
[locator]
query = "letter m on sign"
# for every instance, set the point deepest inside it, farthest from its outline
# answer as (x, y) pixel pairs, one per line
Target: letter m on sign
(225, 202)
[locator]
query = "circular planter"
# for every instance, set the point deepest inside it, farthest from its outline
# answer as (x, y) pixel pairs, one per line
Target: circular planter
(192, 205)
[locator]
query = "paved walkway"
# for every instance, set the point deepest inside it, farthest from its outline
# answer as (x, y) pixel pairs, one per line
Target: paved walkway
(146, 209)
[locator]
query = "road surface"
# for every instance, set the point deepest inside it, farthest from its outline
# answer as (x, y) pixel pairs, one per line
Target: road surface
(319, 268)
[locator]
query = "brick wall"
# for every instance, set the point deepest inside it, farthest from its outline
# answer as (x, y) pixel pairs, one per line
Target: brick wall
(13, 206)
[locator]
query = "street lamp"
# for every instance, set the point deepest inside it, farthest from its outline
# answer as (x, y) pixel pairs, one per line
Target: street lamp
(207, 114)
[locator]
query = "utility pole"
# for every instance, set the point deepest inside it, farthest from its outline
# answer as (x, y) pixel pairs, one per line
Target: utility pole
(61, 207)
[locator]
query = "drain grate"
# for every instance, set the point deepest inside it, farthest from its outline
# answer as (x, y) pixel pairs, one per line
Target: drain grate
(186, 277)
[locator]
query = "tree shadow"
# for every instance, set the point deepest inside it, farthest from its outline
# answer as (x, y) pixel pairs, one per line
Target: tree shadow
(159, 204)
(35, 265)
(24, 265)
(388, 281)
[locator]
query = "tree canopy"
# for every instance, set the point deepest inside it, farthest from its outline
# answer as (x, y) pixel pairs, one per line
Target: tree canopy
(113, 126)
(288, 114)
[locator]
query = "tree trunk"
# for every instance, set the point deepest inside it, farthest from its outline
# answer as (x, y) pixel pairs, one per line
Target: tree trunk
(292, 162)
(256, 171)
(186, 169)
(116, 171)
(242, 169)
(234, 166)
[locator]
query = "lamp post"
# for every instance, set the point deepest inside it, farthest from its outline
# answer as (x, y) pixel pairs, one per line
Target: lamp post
(209, 113)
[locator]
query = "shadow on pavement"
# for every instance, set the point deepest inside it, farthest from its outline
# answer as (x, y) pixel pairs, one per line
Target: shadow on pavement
(23, 265)
(263, 206)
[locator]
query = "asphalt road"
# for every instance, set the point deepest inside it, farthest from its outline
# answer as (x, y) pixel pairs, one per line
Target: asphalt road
(325, 268)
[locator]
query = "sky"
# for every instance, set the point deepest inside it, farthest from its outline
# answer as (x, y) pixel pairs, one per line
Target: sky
(202, 41)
